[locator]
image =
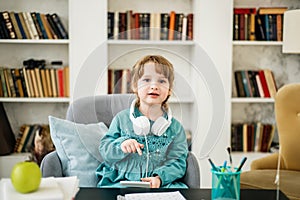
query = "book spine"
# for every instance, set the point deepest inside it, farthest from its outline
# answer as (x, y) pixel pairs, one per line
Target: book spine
(9, 25)
(41, 25)
(36, 25)
(60, 26)
(172, 25)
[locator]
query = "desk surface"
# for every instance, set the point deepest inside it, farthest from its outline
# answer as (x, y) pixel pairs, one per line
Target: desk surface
(189, 194)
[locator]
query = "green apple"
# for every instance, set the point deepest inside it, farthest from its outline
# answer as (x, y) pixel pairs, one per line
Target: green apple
(26, 176)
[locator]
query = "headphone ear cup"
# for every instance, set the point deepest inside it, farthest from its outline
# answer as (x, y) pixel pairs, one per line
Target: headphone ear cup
(160, 126)
(141, 125)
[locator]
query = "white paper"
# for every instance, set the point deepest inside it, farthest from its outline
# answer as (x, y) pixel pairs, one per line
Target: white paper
(48, 190)
(64, 188)
(69, 186)
(155, 195)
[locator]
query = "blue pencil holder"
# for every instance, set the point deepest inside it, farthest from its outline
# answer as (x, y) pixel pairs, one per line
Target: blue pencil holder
(225, 184)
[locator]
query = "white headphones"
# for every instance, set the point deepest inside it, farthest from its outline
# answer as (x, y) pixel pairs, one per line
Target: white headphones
(141, 125)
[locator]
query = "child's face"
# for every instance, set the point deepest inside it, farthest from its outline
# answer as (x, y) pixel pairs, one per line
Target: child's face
(152, 87)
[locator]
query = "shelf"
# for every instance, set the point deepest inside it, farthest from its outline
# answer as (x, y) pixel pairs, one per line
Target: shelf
(150, 42)
(252, 100)
(257, 43)
(36, 100)
(25, 41)
(181, 100)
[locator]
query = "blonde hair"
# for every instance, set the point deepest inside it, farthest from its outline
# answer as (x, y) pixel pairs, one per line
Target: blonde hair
(162, 66)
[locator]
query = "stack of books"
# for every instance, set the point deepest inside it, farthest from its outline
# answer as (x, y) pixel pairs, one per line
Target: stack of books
(34, 82)
(149, 26)
(31, 25)
(256, 137)
(255, 83)
(265, 23)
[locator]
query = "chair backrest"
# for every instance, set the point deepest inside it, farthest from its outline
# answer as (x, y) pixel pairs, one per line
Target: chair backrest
(287, 112)
(100, 108)
(103, 108)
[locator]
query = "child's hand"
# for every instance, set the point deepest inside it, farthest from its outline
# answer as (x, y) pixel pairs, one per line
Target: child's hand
(132, 146)
(154, 181)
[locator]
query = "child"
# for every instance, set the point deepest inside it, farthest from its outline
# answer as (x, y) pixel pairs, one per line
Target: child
(144, 142)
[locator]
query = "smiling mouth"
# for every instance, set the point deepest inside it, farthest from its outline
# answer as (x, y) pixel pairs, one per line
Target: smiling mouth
(153, 94)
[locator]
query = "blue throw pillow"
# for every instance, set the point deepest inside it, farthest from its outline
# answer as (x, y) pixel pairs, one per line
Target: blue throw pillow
(77, 146)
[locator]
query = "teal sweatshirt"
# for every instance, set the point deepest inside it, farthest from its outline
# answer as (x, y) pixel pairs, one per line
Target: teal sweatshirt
(167, 154)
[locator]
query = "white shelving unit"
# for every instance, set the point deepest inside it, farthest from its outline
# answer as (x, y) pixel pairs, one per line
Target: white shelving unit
(91, 54)
(259, 55)
(12, 54)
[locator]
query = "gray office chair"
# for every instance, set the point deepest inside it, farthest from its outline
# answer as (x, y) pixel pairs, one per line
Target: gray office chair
(103, 108)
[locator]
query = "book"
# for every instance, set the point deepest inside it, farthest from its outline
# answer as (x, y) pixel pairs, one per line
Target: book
(246, 84)
(239, 84)
(3, 29)
(3, 83)
(259, 85)
(66, 81)
(260, 30)
(37, 25)
(56, 32)
(60, 82)
(21, 28)
(31, 92)
(23, 81)
(34, 83)
(110, 24)
(184, 27)
(15, 25)
(39, 82)
(264, 83)
(44, 83)
(9, 25)
(178, 26)
(253, 83)
(172, 25)
(31, 26)
(122, 25)
(164, 24)
(279, 27)
(24, 26)
(270, 82)
(11, 82)
(41, 25)
(25, 129)
(49, 32)
(271, 10)
(190, 26)
(53, 82)
(60, 27)
(29, 140)
(144, 26)
(18, 82)
(48, 82)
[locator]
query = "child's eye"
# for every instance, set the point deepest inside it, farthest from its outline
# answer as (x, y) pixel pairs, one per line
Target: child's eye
(146, 80)
(162, 81)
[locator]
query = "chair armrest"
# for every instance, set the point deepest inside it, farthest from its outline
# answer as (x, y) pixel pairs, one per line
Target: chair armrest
(51, 165)
(192, 175)
(268, 162)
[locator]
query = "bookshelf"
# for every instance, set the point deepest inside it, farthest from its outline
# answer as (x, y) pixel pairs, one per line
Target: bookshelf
(14, 51)
(255, 55)
(192, 100)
